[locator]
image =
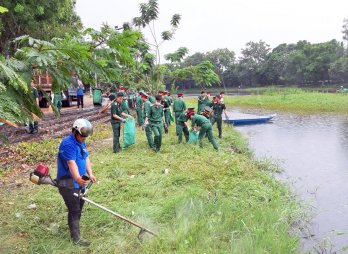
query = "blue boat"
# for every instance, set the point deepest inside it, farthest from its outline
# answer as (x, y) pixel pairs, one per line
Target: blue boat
(249, 120)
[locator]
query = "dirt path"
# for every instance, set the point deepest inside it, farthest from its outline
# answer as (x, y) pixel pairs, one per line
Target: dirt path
(51, 125)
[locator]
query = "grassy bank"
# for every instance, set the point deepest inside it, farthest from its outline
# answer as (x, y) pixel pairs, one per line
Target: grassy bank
(263, 89)
(295, 100)
(209, 202)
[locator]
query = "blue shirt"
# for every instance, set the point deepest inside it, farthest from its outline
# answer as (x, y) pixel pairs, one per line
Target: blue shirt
(80, 88)
(70, 149)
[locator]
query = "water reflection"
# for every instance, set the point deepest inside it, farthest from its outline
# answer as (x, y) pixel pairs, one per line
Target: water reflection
(314, 151)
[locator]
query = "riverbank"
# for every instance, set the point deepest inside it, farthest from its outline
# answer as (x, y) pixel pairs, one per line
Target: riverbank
(293, 100)
(197, 200)
(263, 89)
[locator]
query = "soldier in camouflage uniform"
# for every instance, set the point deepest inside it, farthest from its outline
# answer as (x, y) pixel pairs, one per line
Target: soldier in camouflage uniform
(155, 118)
(146, 110)
(205, 128)
(139, 104)
(218, 108)
(179, 106)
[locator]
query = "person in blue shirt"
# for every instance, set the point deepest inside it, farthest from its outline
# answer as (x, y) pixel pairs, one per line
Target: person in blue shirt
(73, 162)
(79, 93)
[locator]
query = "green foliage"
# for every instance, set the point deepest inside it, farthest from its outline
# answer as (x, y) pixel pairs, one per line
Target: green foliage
(16, 103)
(3, 9)
(19, 8)
(177, 56)
(338, 69)
(167, 35)
(175, 20)
(204, 75)
(103, 57)
(40, 19)
(301, 63)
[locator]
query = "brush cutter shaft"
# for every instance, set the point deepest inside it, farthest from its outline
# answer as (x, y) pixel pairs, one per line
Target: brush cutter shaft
(116, 214)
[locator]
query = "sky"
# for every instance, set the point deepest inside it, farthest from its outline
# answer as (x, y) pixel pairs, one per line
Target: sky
(208, 25)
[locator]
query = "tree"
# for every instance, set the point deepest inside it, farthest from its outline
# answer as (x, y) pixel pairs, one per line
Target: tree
(339, 69)
(345, 29)
(274, 67)
(152, 77)
(39, 18)
(176, 57)
(115, 49)
(222, 59)
(194, 59)
(204, 75)
(175, 70)
(253, 56)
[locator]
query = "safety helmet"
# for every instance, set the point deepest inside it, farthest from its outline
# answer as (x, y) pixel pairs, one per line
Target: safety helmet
(84, 127)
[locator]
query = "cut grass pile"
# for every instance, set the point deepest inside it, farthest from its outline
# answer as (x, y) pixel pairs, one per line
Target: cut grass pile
(208, 202)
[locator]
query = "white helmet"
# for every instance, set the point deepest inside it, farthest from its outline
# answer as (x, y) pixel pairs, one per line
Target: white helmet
(84, 127)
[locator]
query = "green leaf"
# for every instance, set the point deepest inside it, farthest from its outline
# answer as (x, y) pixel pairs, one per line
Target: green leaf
(3, 9)
(167, 35)
(175, 20)
(19, 8)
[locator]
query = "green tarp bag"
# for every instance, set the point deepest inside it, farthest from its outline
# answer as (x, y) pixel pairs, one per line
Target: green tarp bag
(128, 133)
(171, 115)
(193, 137)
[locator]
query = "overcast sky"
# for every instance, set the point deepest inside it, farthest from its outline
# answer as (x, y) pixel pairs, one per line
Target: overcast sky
(208, 25)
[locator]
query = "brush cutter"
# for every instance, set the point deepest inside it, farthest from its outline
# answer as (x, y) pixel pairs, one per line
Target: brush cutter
(41, 176)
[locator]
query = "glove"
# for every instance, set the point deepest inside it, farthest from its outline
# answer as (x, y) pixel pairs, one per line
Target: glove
(123, 120)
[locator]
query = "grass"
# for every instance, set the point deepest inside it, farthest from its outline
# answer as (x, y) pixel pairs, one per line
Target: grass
(293, 100)
(256, 90)
(209, 202)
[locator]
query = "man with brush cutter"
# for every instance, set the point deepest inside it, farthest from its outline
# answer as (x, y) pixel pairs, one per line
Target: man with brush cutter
(73, 164)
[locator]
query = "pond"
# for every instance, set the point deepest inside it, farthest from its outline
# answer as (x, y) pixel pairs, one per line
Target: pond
(313, 153)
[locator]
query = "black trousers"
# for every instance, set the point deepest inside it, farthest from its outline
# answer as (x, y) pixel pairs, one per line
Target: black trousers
(80, 101)
(74, 205)
(116, 128)
(218, 120)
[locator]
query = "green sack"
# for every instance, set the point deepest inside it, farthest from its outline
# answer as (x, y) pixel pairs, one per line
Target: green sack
(57, 100)
(171, 115)
(193, 137)
(128, 132)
